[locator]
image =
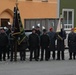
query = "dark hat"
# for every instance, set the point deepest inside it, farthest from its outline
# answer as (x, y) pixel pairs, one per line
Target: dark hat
(44, 30)
(51, 29)
(33, 29)
(37, 27)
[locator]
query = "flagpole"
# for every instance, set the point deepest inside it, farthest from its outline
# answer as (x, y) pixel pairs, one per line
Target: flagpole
(15, 56)
(16, 3)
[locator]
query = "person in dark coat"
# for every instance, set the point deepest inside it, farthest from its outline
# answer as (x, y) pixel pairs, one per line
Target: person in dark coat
(61, 36)
(22, 48)
(38, 32)
(52, 36)
(8, 32)
(11, 44)
(72, 44)
(44, 43)
(3, 44)
(33, 45)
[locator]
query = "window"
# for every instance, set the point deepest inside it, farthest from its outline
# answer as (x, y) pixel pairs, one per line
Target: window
(68, 15)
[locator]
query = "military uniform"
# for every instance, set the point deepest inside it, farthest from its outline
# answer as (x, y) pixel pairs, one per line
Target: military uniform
(11, 42)
(52, 36)
(3, 44)
(33, 45)
(60, 44)
(38, 32)
(72, 45)
(8, 47)
(44, 43)
(22, 48)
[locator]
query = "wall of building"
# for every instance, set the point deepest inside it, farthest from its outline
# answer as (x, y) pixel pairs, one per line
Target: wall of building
(69, 4)
(29, 9)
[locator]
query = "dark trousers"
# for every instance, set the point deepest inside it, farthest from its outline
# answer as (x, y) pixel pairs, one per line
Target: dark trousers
(38, 52)
(33, 50)
(11, 52)
(8, 52)
(60, 54)
(53, 54)
(72, 54)
(3, 52)
(0, 55)
(22, 55)
(46, 53)
(4, 55)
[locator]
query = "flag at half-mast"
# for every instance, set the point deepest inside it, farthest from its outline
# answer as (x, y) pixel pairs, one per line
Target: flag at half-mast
(18, 30)
(59, 26)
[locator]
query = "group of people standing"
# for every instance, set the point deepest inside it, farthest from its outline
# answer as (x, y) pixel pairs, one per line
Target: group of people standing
(42, 45)
(46, 42)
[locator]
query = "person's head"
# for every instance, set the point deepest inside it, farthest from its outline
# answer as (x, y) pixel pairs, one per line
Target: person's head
(37, 28)
(51, 29)
(72, 30)
(2, 30)
(44, 31)
(33, 30)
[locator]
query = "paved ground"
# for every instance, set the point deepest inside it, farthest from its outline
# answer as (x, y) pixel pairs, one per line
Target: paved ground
(52, 67)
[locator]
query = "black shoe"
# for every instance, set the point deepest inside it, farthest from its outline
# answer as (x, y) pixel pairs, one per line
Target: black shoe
(23, 59)
(36, 59)
(4, 59)
(0, 59)
(63, 59)
(41, 59)
(74, 58)
(57, 59)
(30, 59)
(46, 59)
(53, 58)
(11, 60)
(70, 58)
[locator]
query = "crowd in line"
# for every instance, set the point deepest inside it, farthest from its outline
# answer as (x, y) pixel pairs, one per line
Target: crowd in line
(38, 42)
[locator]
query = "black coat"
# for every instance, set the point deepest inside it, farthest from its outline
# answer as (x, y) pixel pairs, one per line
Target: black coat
(3, 40)
(44, 40)
(23, 45)
(52, 36)
(33, 40)
(72, 42)
(60, 42)
(38, 32)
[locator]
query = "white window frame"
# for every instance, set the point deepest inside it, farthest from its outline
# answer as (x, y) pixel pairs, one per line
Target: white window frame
(72, 25)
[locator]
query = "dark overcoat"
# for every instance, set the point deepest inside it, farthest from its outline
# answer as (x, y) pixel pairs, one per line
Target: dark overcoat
(3, 40)
(72, 42)
(52, 36)
(61, 36)
(44, 40)
(23, 45)
(33, 40)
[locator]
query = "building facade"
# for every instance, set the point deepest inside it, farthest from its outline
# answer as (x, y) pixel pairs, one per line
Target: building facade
(68, 10)
(33, 12)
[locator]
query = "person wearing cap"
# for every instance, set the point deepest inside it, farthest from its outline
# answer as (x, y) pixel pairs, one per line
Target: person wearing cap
(44, 44)
(61, 45)
(33, 44)
(38, 32)
(3, 44)
(72, 44)
(52, 36)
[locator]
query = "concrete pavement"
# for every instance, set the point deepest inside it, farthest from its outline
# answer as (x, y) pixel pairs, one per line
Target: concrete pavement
(51, 67)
